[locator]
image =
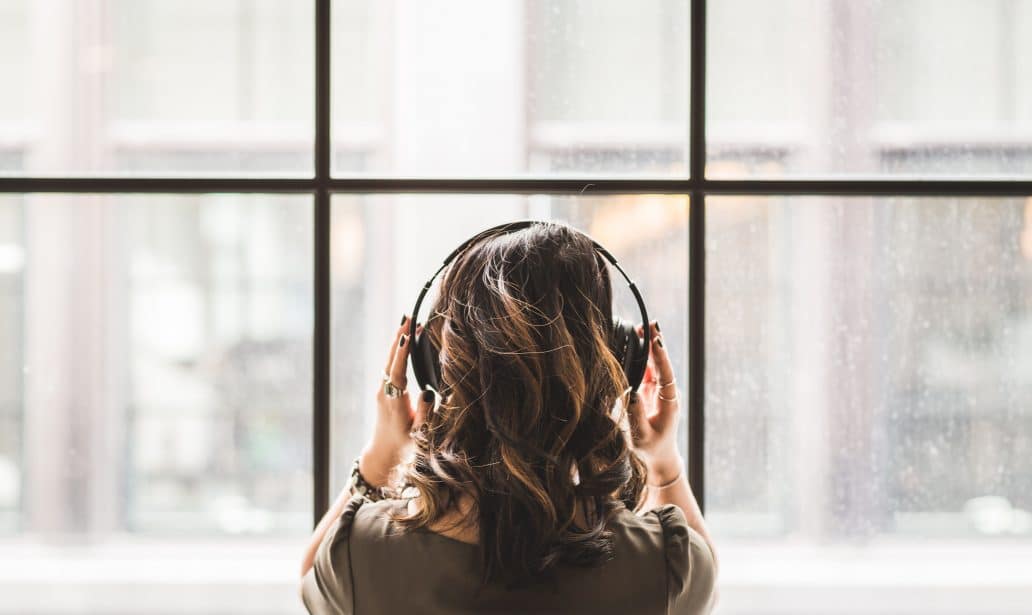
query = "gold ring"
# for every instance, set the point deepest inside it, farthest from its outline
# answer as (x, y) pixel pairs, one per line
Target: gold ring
(391, 390)
(674, 398)
(666, 384)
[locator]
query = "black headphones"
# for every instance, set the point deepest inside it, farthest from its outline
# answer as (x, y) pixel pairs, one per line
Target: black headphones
(630, 350)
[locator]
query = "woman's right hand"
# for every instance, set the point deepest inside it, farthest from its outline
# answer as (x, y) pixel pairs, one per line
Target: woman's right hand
(654, 412)
(653, 420)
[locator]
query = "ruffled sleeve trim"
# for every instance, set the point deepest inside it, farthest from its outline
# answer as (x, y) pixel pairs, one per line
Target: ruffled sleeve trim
(328, 587)
(348, 516)
(690, 569)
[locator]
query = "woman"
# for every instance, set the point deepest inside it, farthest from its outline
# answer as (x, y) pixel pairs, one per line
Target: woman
(537, 483)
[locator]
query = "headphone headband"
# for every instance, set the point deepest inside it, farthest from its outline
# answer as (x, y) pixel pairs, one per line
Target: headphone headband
(509, 227)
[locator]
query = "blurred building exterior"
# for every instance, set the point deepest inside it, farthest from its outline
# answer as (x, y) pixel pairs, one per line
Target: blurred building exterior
(869, 360)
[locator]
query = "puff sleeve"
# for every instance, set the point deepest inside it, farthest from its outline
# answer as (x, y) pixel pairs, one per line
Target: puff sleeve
(691, 575)
(327, 588)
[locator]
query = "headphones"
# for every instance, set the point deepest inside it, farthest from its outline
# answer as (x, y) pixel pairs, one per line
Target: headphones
(631, 351)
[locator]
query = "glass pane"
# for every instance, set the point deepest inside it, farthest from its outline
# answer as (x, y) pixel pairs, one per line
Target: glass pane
(157, 403)
(385, 247)
(869, 371)
(826, 88)
(12, 267)
(156, 87)
(13, 104)
(506, 87)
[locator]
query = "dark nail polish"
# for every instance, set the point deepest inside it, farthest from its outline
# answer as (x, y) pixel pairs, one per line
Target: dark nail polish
(401, 342)
(657, 326)
(404, 319)
(428, 396)
(659, 342)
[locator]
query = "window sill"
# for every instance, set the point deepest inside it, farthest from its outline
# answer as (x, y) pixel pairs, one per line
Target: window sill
(889, 577)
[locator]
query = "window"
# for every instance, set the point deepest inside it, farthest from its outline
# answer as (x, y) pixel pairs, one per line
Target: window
(212, 213)
(11, 281)
(865, 393)
(808, 88)
(147, 87)
(563, 87)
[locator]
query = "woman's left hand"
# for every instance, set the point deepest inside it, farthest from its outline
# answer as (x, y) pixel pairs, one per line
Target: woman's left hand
(396, 418)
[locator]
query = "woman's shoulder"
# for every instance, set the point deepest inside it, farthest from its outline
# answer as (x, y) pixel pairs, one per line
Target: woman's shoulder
(664, 531)
(326, 587)
(375, 525)
(372, 517)
(360, 518)
(360, 534)
(654, 525)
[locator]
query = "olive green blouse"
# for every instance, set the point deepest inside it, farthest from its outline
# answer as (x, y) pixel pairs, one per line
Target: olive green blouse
(367, 565)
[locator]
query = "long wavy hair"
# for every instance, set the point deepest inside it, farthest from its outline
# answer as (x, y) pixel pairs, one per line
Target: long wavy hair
(528, 425)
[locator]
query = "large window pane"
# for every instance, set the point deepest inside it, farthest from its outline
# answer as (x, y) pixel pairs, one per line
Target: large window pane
(153, 87)
(823, 87)
(386, 247)
(12, 260)
(869, 371)
(158, 415)
(504, 87)
(13, 42)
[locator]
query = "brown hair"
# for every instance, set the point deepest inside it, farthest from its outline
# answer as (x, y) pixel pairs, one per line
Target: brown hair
(526, 424)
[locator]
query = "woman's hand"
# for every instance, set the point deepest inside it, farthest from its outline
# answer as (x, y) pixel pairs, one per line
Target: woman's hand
(654, 412)
(653, 420)
(396, 418)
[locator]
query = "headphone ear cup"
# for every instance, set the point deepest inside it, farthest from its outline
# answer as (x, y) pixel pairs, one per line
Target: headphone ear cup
(426, 361)
(630, 351)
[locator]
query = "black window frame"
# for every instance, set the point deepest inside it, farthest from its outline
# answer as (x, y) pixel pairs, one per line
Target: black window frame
(321, 185)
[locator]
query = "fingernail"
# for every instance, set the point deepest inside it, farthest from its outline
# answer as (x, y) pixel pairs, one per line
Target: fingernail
(401, 342)
(428, 396)
(404, 319)
(659, 342)
(657, 326)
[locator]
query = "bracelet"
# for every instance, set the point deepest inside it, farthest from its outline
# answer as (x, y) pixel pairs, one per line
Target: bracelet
(358, 484)
(669, 483)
